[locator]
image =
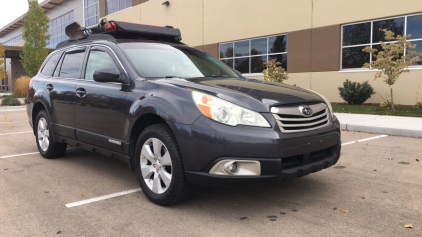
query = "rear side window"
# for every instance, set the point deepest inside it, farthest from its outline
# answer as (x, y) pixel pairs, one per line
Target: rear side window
(72, 64)
(50, 65)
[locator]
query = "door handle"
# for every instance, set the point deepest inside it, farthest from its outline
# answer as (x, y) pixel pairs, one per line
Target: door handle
(50, 87)
(81, 92)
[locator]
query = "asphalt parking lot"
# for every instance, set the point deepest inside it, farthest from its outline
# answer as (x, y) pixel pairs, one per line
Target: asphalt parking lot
(374, 190)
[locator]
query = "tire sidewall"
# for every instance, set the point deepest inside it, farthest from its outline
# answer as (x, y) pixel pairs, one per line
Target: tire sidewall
(174, 159)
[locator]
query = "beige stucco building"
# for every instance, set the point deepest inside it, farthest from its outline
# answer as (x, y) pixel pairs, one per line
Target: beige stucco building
(319, 41)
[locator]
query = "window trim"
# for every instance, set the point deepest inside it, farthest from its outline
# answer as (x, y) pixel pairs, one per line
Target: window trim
(48, 59)
(250, 56)
(371, 43)
(105, 50)
(62, 59)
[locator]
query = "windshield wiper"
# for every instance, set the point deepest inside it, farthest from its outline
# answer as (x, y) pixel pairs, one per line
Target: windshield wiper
(169, 76)
(219, 76)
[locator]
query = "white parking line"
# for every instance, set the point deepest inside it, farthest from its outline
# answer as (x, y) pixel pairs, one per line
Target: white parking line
(74, 204)
(363, 140)
(15, 121)
(12, 114)
(25, 154)
(3, 134)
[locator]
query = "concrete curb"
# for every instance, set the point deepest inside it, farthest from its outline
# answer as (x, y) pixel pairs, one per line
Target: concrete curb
(12, 108)
(390, 125)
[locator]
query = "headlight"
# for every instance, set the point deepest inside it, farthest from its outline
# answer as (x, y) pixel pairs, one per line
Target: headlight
(226, 112)
(325, 99)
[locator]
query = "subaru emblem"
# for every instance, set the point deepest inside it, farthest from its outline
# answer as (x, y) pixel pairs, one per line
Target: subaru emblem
(307, 111)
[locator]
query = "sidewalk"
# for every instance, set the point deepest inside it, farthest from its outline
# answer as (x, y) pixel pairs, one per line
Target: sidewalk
(390, 125)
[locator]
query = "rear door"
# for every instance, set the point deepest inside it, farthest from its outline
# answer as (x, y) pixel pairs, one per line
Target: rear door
(100, 106)
(61, 88)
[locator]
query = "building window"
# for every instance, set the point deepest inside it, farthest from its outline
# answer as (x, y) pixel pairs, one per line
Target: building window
(357, 36)
(91, 12)
(57, 29)
(13, 41)
(117, 5)
(248, 56)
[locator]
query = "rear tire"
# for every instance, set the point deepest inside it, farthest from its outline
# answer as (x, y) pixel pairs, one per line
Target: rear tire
(44, 138)
(159, 168)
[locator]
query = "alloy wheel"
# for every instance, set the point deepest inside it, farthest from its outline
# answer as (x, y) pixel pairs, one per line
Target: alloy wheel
(156, 166)
(43, 134)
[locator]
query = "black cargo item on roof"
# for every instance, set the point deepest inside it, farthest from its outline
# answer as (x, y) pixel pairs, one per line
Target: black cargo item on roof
(124, 29)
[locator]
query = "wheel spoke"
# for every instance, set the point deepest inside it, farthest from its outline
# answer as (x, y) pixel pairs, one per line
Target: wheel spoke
(47, 142)
(157, 147)
(46, 133)
(146, 171)
(156, 184)
(40, 135)
(166, 160)
(43, 145)
(166, 177)
(147, 153)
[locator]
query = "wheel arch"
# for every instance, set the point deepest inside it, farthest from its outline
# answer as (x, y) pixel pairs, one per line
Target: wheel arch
(38, 106)
(138, 126)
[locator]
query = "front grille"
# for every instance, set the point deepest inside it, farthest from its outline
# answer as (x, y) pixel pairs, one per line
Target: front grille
(291, 119)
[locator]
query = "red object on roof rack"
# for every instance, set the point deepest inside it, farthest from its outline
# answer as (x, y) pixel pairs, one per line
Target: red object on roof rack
(121, 28)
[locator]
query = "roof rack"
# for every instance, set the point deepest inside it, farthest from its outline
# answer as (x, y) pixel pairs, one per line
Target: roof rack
(112, 30)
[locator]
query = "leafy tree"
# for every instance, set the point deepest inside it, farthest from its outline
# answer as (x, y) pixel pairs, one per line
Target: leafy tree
(274, 72)
(2, 69)
(390, 61)
(35, 34)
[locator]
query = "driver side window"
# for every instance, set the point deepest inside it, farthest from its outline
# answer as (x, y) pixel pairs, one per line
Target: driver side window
(97, 59)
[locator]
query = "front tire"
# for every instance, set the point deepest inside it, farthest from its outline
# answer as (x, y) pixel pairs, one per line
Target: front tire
(44, 138)
(159, 166)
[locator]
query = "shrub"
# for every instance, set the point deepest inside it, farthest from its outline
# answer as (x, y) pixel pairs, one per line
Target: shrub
(386, 103)
(274, 72)
(418, 105)
(355, 93)
(21, 86)
(10, 100)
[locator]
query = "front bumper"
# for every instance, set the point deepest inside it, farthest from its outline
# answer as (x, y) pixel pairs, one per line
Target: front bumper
(272, 170)
(282, 156)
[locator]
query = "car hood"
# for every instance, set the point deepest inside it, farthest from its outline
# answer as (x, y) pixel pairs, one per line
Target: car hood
(236, 89)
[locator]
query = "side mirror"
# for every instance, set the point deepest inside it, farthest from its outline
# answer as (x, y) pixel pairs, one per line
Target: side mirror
(106, 74)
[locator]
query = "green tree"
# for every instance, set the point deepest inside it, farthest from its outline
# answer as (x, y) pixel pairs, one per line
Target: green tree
(2, 69)
(35, 34)
(274, 72)
(390, 60)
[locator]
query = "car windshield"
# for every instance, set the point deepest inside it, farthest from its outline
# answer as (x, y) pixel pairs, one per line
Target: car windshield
(154, 60)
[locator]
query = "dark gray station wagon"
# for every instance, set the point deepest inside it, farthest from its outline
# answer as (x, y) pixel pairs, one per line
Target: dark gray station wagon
(175, 114)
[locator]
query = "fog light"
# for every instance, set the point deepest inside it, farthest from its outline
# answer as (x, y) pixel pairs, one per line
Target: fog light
(233, 167)
(237, 168)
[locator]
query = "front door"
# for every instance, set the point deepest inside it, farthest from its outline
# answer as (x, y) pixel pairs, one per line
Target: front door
(100, 106)
(61, 87)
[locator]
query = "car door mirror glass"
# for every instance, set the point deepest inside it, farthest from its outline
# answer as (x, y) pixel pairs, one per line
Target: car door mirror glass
(106, 74)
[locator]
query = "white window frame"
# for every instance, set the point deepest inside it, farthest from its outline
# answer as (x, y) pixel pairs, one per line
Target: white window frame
(414, 67)
(107, 14)
(84, 8)
(250, 56)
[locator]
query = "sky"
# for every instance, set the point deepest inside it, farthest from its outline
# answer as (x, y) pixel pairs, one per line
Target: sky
(12, 9)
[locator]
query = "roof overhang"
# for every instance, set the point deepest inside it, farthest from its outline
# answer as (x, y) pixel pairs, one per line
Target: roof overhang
(46, 5)
(14, 51)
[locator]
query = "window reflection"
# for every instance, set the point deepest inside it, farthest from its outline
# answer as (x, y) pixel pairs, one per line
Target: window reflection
(242, 65)
(414, 26)
(357, 34)
(396, 25)
(277, 44)
(257, 64)
(353, 57)
(259, 46)
(241, 48)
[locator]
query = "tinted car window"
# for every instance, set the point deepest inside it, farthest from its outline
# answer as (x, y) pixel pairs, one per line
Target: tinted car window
(162, 60)
(50, 65)
(72, 63)
(96, 60)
